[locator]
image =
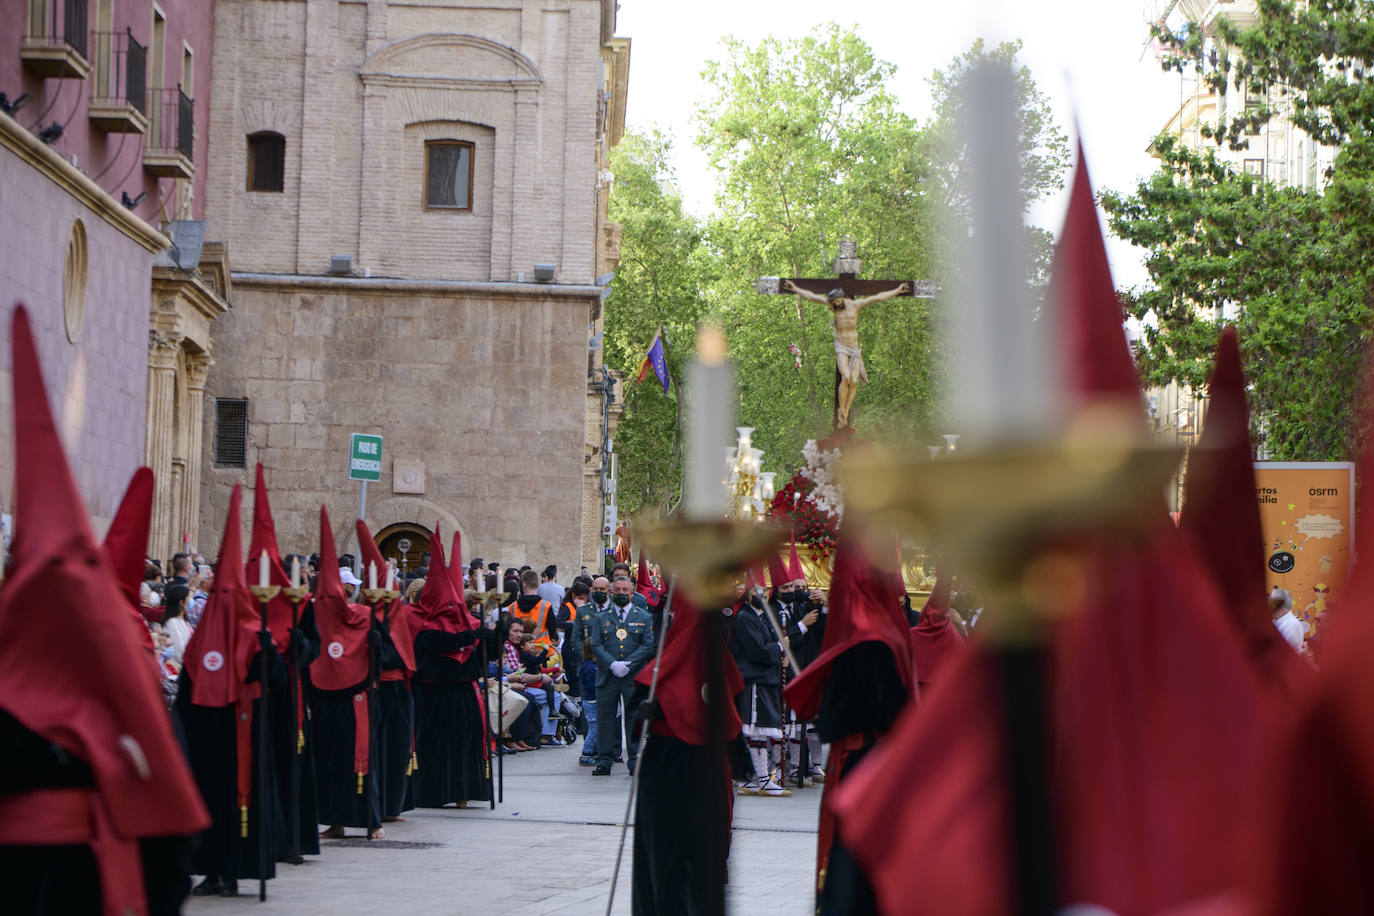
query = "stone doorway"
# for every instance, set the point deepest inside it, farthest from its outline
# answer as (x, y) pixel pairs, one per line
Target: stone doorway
(389, 542)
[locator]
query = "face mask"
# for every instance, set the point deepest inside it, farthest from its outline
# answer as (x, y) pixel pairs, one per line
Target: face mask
(621, 600)
(756, 601)
(786, 598)
(599, 597)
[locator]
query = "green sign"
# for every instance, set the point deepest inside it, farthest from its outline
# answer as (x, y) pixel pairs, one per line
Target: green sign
(365, 458)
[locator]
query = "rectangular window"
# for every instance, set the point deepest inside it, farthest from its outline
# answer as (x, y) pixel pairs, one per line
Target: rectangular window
(1254, 167)
(231, 432)
(266, 161)
(448, 175)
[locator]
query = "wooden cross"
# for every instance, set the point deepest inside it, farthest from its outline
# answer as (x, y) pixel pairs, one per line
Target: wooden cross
(846, 279)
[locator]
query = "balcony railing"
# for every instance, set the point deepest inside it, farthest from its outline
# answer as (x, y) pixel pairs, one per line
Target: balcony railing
(119, 99)
(56, 43)
(171, 134)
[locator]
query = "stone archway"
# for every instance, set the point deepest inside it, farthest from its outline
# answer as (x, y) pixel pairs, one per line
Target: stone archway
(414, 538)
(420, 514)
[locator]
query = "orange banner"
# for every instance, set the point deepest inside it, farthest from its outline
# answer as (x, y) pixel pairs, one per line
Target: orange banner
(1307, 513)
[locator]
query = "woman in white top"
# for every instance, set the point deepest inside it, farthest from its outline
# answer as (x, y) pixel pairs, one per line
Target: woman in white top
(174, 619)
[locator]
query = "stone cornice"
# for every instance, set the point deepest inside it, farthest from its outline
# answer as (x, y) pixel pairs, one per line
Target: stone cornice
(29, 148)
(193, 289)
(393, 284)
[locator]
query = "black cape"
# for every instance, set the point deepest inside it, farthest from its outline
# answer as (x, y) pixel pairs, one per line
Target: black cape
(449, 728)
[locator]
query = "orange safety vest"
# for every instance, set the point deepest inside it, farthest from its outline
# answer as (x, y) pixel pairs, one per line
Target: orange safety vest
(534, 619)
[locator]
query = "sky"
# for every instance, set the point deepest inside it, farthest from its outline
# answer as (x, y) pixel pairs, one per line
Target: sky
(1087, 56)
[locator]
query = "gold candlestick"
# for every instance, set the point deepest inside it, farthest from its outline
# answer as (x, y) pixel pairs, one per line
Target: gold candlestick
(296, 593)
(264, 593)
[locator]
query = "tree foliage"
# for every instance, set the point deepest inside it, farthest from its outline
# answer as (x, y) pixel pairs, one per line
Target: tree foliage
(657, 285)
(810, 147)
(1289, 266)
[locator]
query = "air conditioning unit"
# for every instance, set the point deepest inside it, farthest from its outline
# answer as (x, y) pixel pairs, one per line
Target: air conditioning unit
(341, 264)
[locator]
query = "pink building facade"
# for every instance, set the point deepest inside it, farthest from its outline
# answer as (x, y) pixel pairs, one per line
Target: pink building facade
(103, 107)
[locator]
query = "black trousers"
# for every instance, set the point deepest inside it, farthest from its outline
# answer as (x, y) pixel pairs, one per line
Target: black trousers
(608, 693)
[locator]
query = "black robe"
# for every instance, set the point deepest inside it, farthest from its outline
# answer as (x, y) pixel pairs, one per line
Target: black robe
(220, 850)
(292, 750)
(64, 880)
(863, 695)
(395, 734)
(449, 726)
(343, 801)
(755, 645)
(683, 802)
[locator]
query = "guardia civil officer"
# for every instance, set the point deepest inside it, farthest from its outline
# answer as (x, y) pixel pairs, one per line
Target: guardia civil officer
(622, 639)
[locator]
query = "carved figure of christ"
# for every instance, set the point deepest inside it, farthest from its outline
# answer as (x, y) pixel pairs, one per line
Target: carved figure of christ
(849, 360)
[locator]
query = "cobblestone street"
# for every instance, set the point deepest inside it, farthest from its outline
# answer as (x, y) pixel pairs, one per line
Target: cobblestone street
(549, 849)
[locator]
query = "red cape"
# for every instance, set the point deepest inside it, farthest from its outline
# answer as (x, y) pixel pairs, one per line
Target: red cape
(264, 539)
(644, 583)
(70, 665)
(865, 606)
(681, 691)
(935, 641)
(343, 660)
(126, 546)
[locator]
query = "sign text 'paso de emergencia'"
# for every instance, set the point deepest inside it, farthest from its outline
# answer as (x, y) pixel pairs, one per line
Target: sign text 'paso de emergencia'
(365, 457)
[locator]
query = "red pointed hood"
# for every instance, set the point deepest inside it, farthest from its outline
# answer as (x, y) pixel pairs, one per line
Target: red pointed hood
(682, 678)
(264, 539)
(1221, 511)
(68, 657)
(399, 616)
(644, 583)
(441, 606)
(865, 606)
(935, 640)
(795, 572)
(777, 573)
(226, 638)
(126, 546)
(1098, 356)
(343, 626)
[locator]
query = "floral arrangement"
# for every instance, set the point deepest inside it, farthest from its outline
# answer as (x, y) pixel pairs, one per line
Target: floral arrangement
(812, 502)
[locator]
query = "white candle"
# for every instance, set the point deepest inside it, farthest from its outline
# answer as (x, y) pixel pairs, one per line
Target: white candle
(1003, 374)
(390, 575)
(262, 570)
(710, 414)
(295, 572)
(371, 575)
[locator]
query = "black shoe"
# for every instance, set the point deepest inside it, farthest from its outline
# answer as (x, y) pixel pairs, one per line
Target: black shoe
(230, 889)
(210, 887)
(619, 759)
(602, 769)
(631, 768)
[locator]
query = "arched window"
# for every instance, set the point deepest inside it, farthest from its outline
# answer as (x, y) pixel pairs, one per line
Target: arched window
(266, 161)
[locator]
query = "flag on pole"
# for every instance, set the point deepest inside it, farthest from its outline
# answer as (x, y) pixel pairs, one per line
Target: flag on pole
(655, 358)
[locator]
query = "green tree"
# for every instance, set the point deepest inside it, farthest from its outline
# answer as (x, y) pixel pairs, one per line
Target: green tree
(1289, 266)
(810, 148)
(657, 285)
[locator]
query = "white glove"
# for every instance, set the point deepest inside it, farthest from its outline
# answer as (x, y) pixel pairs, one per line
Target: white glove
(620, 669)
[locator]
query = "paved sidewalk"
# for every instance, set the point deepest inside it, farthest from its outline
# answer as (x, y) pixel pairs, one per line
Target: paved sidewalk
(550, 848)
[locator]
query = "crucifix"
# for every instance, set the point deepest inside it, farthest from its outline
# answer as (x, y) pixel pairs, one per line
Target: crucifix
(846, 295)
